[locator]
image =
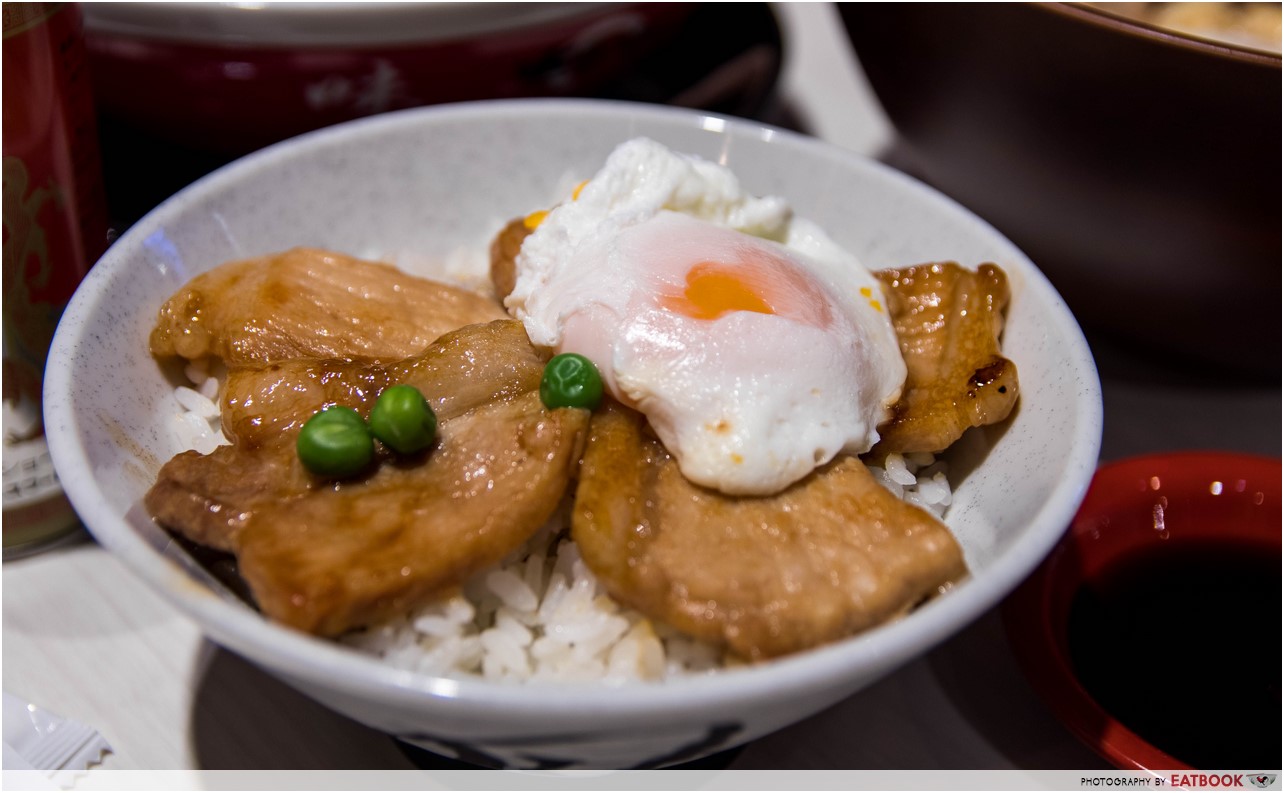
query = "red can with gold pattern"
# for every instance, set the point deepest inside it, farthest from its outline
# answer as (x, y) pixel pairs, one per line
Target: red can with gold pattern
(55, 226)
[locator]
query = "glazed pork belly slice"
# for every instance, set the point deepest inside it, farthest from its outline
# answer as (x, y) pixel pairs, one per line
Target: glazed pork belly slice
(503, 256)
(948, 320)
(326, 557)
(834, 554)
(462, 370)
(310, 303)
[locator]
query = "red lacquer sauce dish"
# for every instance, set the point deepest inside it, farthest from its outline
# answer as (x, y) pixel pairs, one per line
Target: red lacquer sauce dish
(1152, 631)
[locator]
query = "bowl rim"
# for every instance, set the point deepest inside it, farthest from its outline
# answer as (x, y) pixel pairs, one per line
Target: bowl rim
(337, 668)
(1104, 17)
(328, 25)
(1034, 636)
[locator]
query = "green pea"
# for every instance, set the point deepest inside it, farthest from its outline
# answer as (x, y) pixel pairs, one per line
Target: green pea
(570, 381)
(335, 442)
(403, 420)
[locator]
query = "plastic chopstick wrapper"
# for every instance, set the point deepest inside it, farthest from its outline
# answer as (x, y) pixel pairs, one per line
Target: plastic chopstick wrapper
(36, 740)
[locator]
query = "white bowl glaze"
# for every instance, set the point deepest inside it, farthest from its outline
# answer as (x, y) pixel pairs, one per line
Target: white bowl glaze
(420, 184)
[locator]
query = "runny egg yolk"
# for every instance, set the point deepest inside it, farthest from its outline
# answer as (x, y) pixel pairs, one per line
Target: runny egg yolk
(713, 290)
(755, 281)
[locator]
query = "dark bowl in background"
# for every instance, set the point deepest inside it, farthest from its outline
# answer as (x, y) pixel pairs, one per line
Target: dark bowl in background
(237, 76)
(1139, 168)
(184, 88)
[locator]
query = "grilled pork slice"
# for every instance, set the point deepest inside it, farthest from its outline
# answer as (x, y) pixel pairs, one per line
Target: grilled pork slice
(503, 256)
(267, 406)
(326, 557)
(948, 320)
(309, 303)
(833, 554)
(465, 369)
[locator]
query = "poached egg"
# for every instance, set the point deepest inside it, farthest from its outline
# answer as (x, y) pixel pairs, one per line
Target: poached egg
(757, 348)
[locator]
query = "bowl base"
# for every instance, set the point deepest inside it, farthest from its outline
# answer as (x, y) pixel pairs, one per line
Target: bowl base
(428, 760)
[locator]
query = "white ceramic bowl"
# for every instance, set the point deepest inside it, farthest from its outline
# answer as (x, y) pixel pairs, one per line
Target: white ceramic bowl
(421, 184)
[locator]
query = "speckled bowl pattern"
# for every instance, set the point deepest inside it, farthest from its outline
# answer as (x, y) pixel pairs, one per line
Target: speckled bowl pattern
(419, 185)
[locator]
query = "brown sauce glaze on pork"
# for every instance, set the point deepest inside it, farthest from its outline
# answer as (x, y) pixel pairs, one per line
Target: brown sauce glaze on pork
(326, 557)
(503, 256)
(310, 303)
(831, 555)
(948, 320)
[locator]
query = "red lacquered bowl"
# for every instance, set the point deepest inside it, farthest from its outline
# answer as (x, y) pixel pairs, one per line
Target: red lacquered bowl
(1138, 506)
(232, 77)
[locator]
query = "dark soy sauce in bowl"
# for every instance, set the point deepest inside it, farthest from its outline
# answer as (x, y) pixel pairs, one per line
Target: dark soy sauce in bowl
(1181, 644)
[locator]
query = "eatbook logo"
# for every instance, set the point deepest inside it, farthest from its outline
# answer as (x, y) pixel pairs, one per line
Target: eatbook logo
(1261, 780)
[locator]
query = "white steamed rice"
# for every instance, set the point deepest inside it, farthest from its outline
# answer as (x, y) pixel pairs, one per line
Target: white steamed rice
(538, 615)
